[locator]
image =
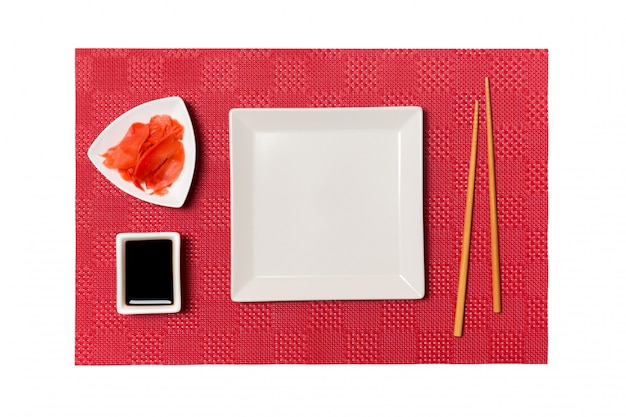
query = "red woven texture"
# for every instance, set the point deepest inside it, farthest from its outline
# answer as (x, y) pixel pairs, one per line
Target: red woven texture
(213, 329)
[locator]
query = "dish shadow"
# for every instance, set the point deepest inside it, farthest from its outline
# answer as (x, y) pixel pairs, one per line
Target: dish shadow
(425, 213)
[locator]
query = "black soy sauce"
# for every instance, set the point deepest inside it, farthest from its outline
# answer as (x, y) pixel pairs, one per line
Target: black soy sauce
(149, 272)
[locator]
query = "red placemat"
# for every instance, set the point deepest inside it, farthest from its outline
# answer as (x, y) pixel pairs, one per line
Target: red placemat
(213, 329)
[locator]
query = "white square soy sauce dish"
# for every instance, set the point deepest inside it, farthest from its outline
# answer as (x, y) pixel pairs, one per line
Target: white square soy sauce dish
(148, 273)
(326, 204)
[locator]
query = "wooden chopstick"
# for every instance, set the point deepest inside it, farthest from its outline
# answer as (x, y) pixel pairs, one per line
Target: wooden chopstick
(493, 215)
(467, 230)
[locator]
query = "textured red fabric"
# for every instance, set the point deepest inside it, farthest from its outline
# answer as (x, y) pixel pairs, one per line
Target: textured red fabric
(213, 329)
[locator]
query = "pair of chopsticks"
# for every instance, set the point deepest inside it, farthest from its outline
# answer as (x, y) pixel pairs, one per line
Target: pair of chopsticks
(467, 228)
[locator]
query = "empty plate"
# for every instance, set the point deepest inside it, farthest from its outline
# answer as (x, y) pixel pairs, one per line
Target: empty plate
(326, 204)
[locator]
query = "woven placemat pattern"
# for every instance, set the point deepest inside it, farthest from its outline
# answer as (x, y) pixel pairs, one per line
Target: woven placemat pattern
(213, 329)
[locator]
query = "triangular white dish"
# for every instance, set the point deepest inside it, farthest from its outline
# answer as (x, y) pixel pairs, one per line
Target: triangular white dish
(113, 134)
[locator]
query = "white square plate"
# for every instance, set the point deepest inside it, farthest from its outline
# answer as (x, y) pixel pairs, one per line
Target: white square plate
(326, 204)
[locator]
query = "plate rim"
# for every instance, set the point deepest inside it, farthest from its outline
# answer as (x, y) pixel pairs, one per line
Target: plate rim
(252, 290)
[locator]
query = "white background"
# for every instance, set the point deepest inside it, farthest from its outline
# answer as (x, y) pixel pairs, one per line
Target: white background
(587, 100)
